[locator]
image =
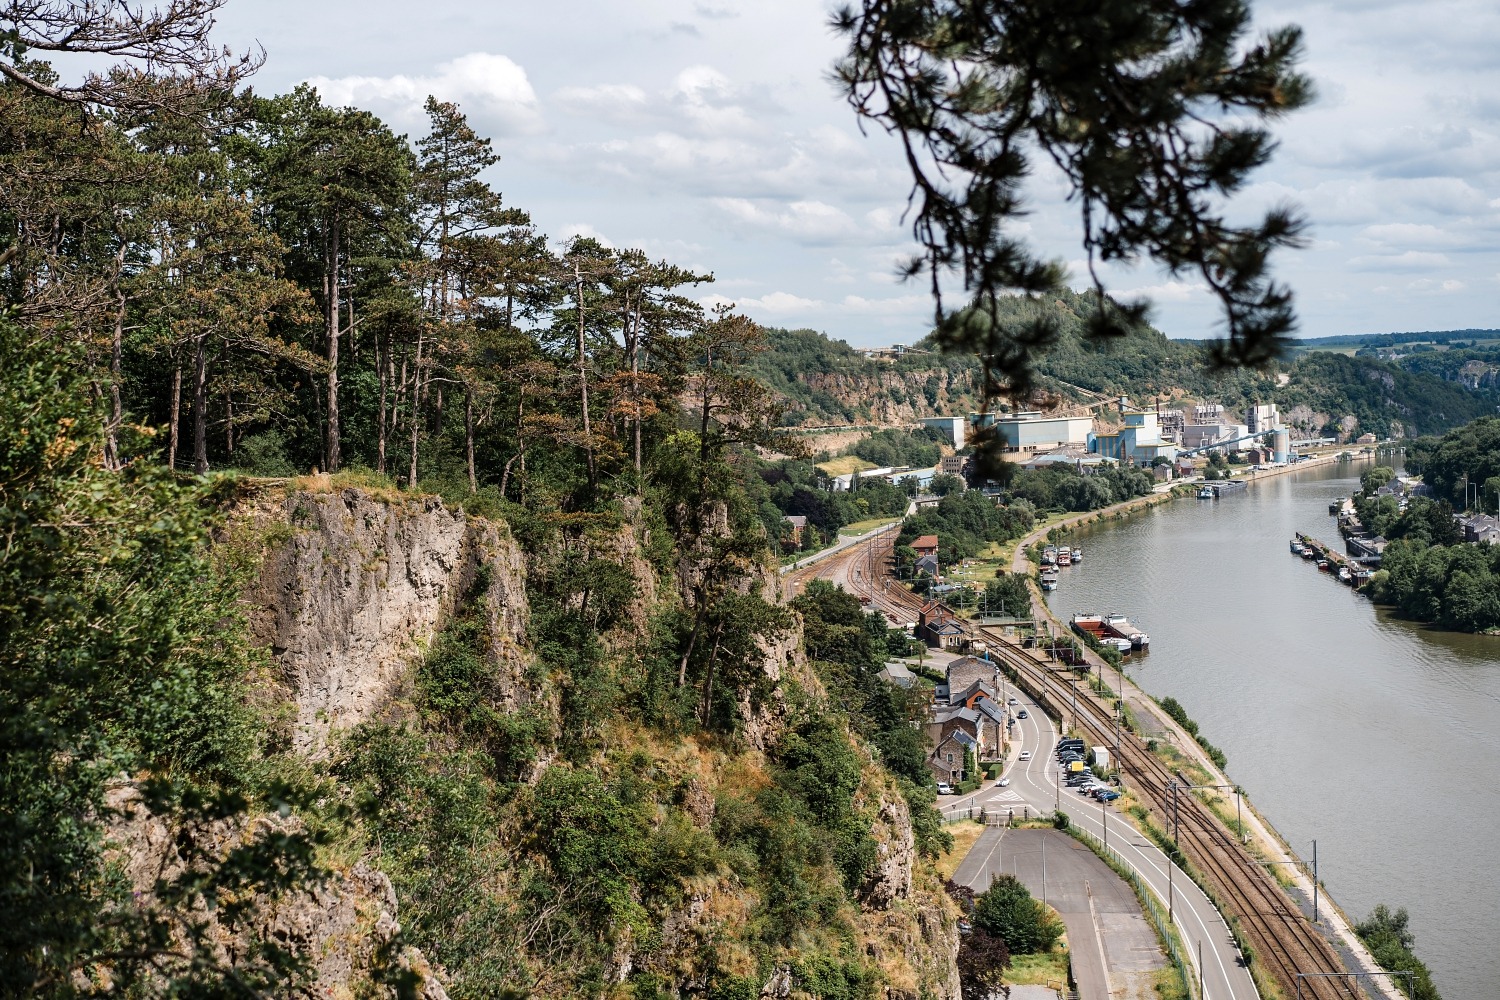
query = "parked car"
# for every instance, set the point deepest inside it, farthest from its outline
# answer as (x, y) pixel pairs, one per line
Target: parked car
(1025, 754)
(944, 788)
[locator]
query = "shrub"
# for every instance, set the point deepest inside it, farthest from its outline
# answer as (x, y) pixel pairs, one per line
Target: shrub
(1007, 910)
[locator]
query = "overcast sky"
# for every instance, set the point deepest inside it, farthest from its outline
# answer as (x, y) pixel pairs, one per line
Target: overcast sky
(707, 133)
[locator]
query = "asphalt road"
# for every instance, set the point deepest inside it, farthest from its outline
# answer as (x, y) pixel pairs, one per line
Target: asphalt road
(1036, 784)
(1113, 947)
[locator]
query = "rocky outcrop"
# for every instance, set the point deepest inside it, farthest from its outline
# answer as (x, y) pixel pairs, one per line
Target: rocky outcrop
(360, 587)
(341, 927)
(892, 395)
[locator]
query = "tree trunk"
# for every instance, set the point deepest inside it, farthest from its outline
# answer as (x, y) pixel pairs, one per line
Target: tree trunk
(687, 654)
(331, 286)
(200, 406)
(583, 374)
(708, 681)
(416, 412)
(469, 439)
(520, 443)
(116, 409)
(176, 417)
(229, 424)
(382, 362)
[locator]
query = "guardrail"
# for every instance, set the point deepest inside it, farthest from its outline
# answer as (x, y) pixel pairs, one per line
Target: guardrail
(1149, 904)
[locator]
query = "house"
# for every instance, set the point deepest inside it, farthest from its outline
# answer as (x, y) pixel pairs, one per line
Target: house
(897, 673)
(975, 692)
(1365, 439)
(928, 565)
(1163, 473)
(964, 671)
(925, 545)
(799, 525)
(951, 465)
(1480, 528)
(937, 626)
(946, 762)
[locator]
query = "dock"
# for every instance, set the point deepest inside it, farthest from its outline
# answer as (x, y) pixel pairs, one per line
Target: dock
(1358, 572)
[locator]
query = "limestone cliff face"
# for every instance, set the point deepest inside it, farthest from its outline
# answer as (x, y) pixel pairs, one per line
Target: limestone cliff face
(339, 925)
(360, 588)
(892, 395)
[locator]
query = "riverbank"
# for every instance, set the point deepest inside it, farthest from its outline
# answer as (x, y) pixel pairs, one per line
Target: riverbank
(1155, 723)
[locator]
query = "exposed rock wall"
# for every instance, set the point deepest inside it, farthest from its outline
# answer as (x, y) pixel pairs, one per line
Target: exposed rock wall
(892, 395)
(360, 588)
(339, 925)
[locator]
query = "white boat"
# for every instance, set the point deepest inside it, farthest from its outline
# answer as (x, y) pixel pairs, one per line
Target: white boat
(1207, 493)
(1120, 626)
(1077, 555)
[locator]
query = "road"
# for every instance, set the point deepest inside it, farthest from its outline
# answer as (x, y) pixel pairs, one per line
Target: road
(1112, 946)
(1035, 784)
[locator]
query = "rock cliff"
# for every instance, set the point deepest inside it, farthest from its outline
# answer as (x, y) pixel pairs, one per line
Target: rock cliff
(361, 585)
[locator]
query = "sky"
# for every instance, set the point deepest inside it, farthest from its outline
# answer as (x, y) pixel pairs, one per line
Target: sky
(708, 134)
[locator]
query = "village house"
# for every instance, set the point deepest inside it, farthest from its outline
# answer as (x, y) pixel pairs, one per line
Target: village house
(925, 545)
(799, 525)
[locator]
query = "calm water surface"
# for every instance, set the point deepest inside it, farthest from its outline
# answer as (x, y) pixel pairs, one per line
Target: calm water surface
(1376, 737)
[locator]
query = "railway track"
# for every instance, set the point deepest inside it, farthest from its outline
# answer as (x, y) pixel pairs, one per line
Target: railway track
(1282, 939)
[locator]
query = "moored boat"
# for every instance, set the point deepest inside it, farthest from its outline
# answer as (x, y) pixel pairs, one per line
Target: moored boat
(1297, 546)
(1207, 493)
(1049, 578)
(1323, 565)
(1308, 552)
(1119, 626)
(1049, 556)
(1345, 575)
(1077, 554)
(1064, 557)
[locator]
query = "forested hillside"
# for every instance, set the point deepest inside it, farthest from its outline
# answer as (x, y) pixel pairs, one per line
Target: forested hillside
(385, 602)
(1319, 391)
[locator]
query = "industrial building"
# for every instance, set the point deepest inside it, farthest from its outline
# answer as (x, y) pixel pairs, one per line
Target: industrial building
(952, 428)
(1138, 442)
(1030, 431)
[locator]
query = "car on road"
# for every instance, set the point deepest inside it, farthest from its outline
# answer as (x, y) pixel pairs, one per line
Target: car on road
(944, 788)
(1021, 714)
(1025, 754)
(1002, 782)
(1011, 701)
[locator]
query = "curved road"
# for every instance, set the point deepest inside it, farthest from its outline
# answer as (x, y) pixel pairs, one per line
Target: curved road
(1036, 783)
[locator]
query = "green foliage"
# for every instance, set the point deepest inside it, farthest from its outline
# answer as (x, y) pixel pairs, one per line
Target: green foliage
(965, 523)
(1007, 910)
(1391, 941)
(1462, 459)
(828, 978)
(975, 90)
(893, 447)
(125, 653)
(1179, 714)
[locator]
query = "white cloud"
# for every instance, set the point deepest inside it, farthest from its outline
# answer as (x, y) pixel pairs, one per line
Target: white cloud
(1411, 260)
(489, 87)
(568, 232)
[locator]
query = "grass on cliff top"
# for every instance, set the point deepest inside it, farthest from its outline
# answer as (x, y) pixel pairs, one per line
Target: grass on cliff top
(845, 464)
(964, 832)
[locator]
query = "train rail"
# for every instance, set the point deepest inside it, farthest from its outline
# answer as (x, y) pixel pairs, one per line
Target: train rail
(1282, 939)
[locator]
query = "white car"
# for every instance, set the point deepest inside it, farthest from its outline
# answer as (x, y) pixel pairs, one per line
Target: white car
(1002, 782)
(1025, 754)
(944, 788)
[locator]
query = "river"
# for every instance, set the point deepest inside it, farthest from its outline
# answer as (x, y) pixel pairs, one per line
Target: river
(1377, 737)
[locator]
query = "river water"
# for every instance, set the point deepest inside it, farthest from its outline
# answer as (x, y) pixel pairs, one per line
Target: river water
(1379, 738)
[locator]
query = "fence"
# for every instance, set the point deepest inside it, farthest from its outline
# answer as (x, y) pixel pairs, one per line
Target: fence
(1148, 903)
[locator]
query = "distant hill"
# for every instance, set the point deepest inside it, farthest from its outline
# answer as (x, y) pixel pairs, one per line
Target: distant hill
(826, 381)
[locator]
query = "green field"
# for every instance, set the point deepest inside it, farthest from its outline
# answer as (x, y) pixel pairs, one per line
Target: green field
(845, 464)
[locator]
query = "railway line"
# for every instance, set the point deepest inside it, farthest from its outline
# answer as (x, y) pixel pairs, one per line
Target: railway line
(1281, 938)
